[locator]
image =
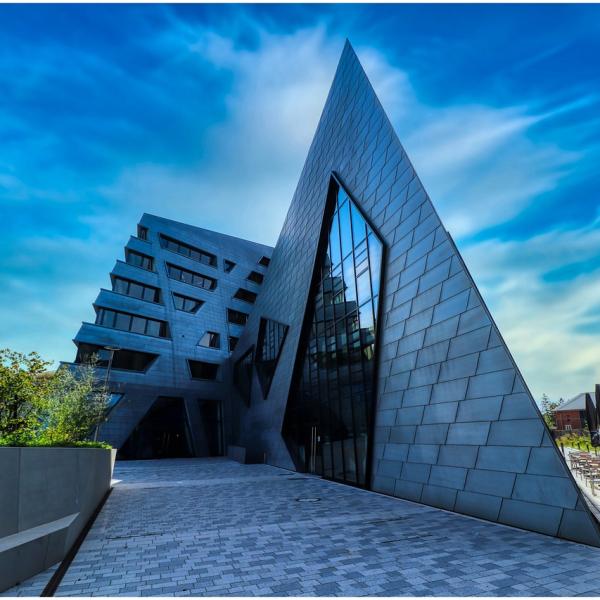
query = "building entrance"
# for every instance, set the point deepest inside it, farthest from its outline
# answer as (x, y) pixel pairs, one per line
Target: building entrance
(162, 433)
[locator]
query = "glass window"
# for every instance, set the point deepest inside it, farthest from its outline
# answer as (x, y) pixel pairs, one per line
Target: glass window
(187, 250)
(246, 295)
(210, 339)
(191, 277)
(256, 277)
(135, 289)
(265, 261)
(126, 360)
(122, 321)
(134, 323)
(142, 232)
(137, 259)
(232, 342)
(185, 303)
(228, 265)
(120, 286)
(138, 325)
(345, 229)
(242, 375)
(203, 370)
(153, 328)
(236, 317)
(334, 250)
(271, 336)
(333, 399)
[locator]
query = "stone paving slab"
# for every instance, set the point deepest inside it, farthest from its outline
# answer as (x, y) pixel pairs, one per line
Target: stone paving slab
(212, 527)
(33, 586)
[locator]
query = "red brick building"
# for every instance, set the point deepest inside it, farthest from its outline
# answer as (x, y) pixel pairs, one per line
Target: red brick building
(571, 415)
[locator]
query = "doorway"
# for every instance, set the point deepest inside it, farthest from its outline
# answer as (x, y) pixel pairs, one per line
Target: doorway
(163, 432)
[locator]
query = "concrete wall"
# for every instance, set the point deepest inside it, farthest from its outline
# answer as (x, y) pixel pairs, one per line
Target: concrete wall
(47, 495)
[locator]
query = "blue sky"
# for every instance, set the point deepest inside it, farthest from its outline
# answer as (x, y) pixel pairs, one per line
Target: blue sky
(204, 114)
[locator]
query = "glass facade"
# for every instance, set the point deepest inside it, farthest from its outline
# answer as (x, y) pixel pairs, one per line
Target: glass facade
(329, 414)
(271, 336)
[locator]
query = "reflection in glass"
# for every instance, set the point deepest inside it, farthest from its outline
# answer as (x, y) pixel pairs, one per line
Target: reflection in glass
(328, 416)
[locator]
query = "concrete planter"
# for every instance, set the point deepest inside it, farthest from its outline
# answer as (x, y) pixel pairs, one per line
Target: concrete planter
(47, 496)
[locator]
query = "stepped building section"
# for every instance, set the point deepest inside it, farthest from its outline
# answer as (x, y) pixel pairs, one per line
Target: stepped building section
(176, 306)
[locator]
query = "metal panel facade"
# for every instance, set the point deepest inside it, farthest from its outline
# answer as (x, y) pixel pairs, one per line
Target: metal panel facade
(456, 426)
(169, 374)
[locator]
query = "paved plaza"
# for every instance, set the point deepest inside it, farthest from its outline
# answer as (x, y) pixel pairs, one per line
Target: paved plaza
(214, 527)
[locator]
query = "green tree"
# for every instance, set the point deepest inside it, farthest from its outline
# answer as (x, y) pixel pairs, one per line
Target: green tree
(76, 404)
(24, 383)
(40, 407)
(548, 408)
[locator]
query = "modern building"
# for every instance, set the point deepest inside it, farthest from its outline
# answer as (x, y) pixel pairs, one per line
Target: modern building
(570, 416)
(163, 332)
(369, 356)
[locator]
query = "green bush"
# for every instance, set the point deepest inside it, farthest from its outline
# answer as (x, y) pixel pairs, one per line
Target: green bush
(41, 408)
(571, 440)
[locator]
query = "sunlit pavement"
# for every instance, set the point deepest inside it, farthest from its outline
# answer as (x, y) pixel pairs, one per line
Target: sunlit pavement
(214, 527)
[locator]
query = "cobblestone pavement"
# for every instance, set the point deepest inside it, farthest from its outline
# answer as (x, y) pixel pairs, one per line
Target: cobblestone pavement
(214, 527)
(34, 586)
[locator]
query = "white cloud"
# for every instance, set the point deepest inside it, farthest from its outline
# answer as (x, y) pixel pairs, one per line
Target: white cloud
(246, 176)
(545, 322)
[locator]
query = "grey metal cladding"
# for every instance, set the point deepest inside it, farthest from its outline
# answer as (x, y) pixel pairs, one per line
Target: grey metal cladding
(436, 337)
(169, 375)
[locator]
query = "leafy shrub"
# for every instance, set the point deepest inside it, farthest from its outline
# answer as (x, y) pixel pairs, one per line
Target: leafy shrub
(41, 408)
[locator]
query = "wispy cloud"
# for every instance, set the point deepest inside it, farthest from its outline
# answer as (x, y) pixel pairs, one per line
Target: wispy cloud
(208, 120)
(551, 326)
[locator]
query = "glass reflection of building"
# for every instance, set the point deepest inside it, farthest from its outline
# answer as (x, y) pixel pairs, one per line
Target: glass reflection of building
(328, 420)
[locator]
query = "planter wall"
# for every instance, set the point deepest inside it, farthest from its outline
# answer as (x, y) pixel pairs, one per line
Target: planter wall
(47, 496)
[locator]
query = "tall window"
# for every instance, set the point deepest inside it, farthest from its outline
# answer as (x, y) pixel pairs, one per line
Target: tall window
(232, 342)
(142, 232)
(135, 289)
(271, 336)
(185, 303)
(201, 256)
(191, 277)
(116, 319)
(242, 375)
(137, 259)
(328, 417)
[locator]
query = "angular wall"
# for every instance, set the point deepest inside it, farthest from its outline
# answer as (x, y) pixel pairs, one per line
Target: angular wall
(456, 426)
(169, 374)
